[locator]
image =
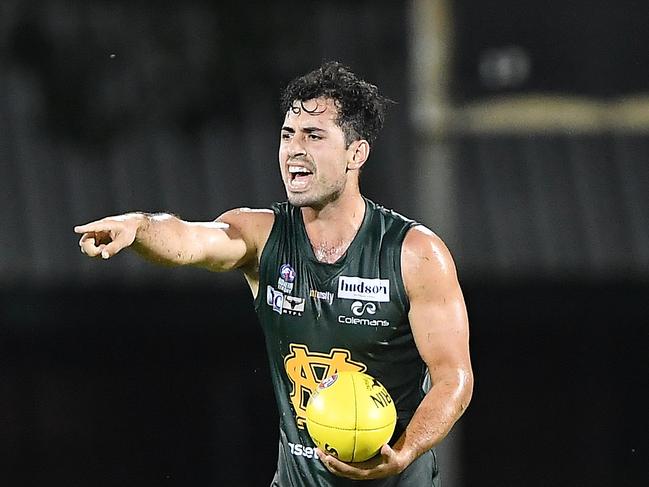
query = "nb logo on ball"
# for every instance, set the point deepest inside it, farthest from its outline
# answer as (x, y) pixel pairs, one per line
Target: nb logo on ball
(330, 450)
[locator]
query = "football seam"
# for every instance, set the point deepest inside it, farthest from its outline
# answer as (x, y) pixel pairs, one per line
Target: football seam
(348, 429)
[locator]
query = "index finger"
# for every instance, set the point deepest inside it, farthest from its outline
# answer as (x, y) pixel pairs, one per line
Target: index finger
(97, 226)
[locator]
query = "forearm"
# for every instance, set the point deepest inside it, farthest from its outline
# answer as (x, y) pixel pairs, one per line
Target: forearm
(165, 239)
(216, 245)
(442, 406)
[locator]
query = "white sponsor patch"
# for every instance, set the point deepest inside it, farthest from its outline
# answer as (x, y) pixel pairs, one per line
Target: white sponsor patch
(293, 304)
(275, 299)
(283, 303)
(364, 289)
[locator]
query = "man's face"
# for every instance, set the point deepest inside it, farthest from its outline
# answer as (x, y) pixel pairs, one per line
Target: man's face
(312, 154)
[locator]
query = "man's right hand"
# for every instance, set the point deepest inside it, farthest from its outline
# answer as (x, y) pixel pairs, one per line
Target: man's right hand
(106, 237)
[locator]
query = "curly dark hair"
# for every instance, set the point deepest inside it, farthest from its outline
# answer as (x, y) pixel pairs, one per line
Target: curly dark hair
(361, 109)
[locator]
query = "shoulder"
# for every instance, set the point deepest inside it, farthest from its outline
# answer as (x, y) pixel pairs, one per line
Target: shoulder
(248, 217)
(421, 243)
(254, 225)
(247, 213)
(425, 260)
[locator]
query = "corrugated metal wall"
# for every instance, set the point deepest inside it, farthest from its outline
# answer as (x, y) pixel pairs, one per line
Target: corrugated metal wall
(553, 205)
(111, 109)
(114, 107)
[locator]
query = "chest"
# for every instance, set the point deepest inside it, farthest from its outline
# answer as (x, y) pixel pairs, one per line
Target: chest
(352, 306)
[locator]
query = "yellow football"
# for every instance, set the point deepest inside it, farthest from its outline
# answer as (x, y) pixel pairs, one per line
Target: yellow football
(350, 416)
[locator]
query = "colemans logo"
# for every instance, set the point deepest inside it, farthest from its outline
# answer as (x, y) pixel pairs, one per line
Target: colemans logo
(307, 369)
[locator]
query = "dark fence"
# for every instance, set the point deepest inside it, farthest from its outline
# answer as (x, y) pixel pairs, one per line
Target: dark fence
(560, 372)
(134, 387)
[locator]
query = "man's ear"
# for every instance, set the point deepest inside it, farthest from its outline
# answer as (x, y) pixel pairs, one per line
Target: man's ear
(359, 151)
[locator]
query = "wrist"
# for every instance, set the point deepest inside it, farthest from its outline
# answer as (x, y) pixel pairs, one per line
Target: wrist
(139, 222)
(405, 456)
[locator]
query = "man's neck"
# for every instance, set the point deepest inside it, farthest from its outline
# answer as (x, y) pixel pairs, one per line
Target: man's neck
(332, 228)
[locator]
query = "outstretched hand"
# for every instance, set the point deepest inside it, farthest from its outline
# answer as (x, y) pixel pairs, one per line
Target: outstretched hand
(106, 237)
(386, 463)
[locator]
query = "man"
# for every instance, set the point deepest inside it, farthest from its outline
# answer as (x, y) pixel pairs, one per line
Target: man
(339, 283)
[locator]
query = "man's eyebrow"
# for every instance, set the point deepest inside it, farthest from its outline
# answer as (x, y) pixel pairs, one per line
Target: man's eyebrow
(308, 130)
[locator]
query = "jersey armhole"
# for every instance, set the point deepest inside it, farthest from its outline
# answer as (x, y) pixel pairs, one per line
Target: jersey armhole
(401, 286)
(261, 291)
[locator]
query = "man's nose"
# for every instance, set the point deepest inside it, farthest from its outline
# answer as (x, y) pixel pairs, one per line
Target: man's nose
(296, 148)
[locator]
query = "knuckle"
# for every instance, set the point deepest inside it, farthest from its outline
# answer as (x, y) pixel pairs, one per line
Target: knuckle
(88, 250)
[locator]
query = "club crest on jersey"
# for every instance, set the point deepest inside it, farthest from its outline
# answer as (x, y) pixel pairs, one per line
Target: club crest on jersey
(363, 289)
(306, 369)
(286, 278)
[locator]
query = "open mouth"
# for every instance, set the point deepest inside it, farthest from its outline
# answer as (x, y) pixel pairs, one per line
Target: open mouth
(299, 177)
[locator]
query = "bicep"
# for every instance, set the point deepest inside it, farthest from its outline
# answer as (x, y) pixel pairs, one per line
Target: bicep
(437, 315)
(440, 330)
(234, 239)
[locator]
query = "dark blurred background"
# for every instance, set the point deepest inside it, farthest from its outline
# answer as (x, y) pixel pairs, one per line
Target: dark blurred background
(521, 135)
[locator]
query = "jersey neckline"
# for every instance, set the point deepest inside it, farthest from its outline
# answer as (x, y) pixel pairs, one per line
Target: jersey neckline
(355, 243)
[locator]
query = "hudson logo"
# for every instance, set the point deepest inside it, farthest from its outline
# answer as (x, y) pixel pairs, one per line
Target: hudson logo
(364, 289)
(306, 369)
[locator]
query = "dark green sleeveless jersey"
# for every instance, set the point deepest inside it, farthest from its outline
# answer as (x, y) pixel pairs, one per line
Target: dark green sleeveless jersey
(322, 318)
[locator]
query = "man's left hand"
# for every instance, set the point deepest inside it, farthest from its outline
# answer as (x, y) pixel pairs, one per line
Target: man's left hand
(386, 463)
